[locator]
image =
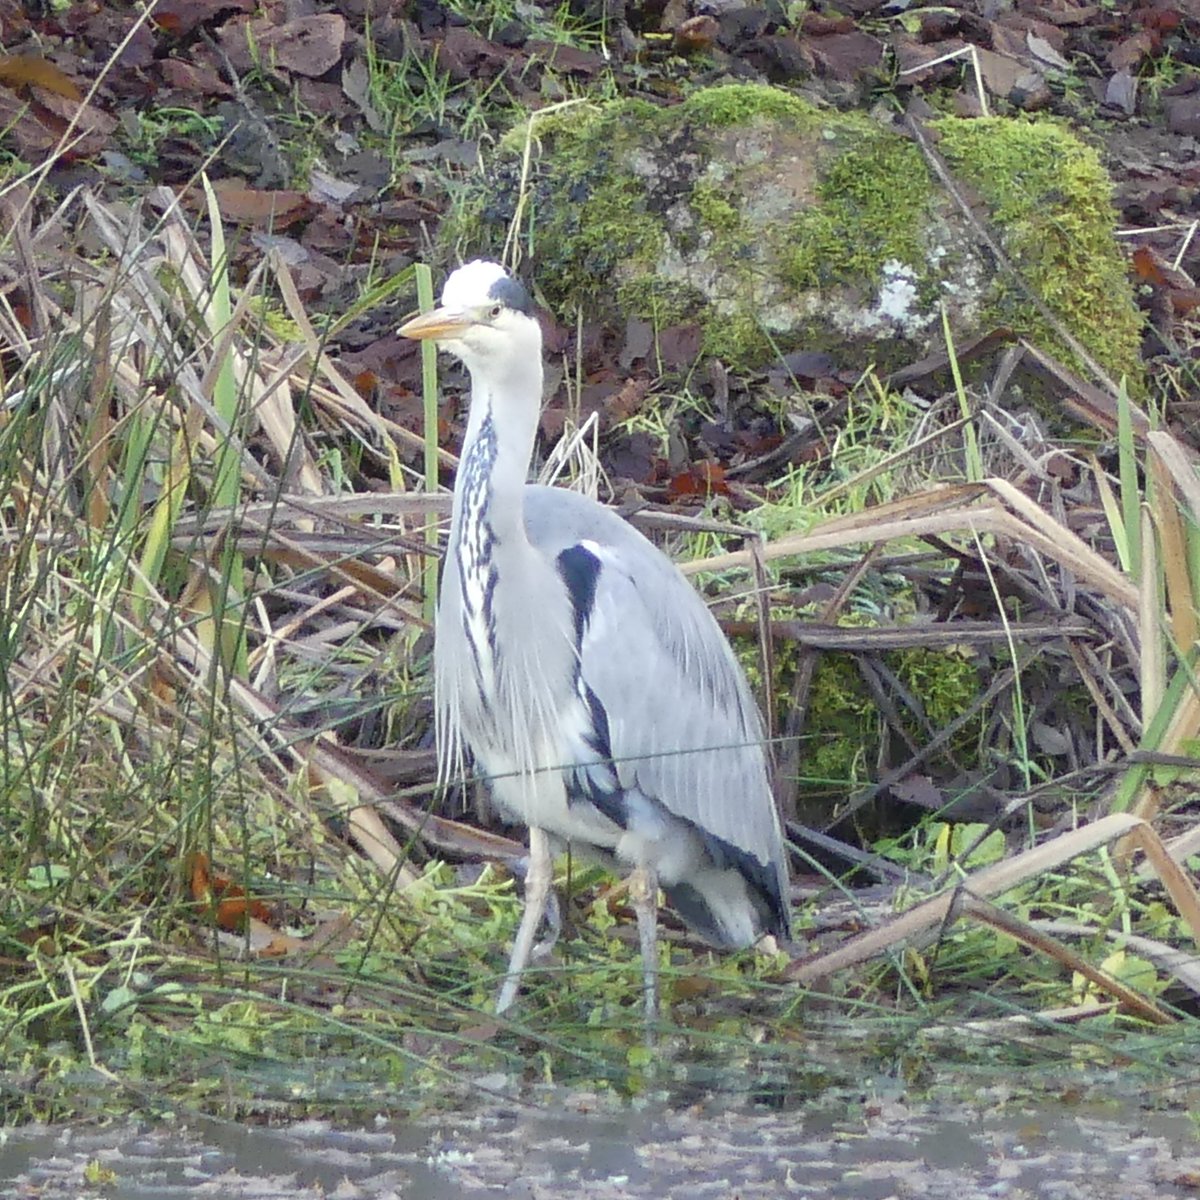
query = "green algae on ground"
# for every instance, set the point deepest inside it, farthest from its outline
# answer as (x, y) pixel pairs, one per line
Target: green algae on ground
(778, 225)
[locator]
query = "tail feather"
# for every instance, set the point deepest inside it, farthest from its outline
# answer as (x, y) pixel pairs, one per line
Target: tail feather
(723, 909)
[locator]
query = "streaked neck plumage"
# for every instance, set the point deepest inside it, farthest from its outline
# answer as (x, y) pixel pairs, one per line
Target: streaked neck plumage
(501, 427)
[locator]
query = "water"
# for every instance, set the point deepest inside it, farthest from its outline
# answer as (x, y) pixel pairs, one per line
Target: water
(574, 1144)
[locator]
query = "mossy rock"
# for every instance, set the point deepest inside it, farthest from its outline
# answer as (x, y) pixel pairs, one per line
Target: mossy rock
(779, 226)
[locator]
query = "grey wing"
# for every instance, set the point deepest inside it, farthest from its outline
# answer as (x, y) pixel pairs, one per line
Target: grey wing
(682, 725)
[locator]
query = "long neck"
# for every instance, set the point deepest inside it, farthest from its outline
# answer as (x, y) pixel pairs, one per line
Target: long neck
(497, 449)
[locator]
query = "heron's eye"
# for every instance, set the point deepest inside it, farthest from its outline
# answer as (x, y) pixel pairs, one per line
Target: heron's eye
(495, 311)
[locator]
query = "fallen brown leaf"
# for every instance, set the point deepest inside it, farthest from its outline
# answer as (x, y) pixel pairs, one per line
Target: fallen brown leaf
(190, 77)
(264, 208)
(306, 46)
(31, 70)
(1127, 55)
(220, 898)
(628, 399)
(696, 35)
(180, 17)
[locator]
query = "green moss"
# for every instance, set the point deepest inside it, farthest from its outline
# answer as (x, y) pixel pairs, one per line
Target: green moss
(658, 300)
(843, 727)
(736, 336)
(736, 339)
(1051, 202)
(946, 683)
(714, 208)
(735, 103)
(588, 215)
(574, 120)
(873, 206)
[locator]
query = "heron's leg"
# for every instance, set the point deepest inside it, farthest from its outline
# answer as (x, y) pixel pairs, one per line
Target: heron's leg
(553, 915)
(643, 891)
(538, 878)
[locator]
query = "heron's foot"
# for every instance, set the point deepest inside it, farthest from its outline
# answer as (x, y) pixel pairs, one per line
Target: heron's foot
(541, 950)
(552, 924)
(507, 995)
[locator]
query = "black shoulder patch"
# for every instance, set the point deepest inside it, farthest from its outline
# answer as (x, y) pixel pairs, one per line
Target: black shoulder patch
(580, 569)
(511, 293)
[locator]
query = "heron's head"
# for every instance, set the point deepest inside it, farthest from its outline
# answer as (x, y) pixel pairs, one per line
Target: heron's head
(486, 319)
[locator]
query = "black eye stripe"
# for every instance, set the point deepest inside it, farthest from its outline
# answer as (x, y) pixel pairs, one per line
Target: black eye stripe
(509, 293)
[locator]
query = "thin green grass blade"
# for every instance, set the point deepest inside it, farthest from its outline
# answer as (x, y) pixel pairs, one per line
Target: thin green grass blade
(1182, 681)
(1192, 542)
(1113, 513)
(974, 458)
(429, 401)
(162, 520)
(1131, 495)
(226, 401)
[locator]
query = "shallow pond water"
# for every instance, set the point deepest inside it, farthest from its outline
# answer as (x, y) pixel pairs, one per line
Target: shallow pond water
(573, 1144)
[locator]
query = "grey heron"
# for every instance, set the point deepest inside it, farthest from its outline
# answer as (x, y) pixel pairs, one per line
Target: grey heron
(584, 673)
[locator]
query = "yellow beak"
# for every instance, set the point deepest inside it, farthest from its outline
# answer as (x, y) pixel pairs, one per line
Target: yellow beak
(441, 323)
